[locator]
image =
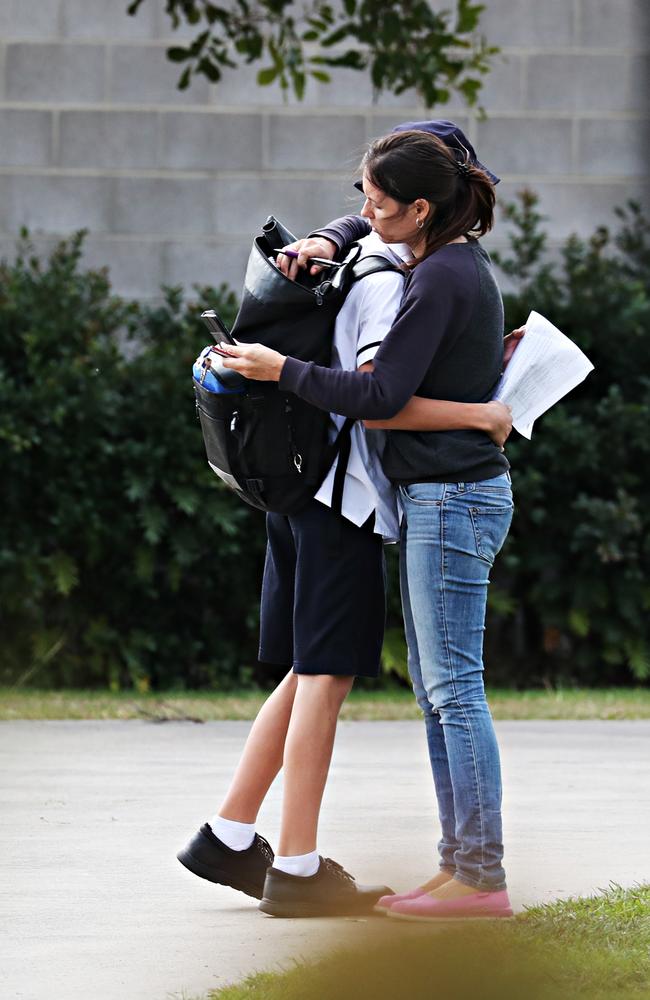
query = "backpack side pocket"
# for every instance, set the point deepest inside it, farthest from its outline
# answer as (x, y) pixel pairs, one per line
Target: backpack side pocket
(217, 414)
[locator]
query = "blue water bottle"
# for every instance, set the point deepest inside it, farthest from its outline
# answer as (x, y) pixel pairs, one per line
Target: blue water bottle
(208, 371)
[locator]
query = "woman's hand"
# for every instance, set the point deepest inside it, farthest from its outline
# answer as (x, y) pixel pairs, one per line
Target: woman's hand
(253, 361)
(510, 344)
(312, 246)
(498, 421)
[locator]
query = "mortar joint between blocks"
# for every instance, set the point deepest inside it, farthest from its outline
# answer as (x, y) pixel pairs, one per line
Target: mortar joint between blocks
(266, 139)
(108, 73)
(577, 22)
(55, 137)
(575, 144)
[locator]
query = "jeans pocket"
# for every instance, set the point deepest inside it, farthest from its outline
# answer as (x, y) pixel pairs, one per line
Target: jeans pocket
(491, 526)
(422, 494)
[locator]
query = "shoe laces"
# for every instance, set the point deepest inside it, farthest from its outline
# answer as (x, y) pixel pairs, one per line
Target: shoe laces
(337, 870)
(265, 848)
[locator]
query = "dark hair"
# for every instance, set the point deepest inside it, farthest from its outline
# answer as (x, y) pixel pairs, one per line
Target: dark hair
(411, 165)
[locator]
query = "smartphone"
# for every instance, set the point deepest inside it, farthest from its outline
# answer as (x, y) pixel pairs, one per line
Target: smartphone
(217, 327)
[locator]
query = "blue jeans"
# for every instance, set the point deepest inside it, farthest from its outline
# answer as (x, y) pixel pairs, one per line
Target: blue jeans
(451, 533)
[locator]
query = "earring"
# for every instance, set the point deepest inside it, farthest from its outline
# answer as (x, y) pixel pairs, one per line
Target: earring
(419, 223)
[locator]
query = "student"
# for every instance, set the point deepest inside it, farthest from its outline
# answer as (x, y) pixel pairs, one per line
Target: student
(454, 487)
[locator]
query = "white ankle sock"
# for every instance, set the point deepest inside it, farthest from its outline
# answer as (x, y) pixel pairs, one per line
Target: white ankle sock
(236, 836)
(298, 864)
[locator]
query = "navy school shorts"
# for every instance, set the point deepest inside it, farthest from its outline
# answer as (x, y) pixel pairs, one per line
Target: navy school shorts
(323, 608)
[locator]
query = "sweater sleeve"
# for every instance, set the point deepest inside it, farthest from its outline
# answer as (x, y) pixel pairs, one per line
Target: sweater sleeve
(345, 230)
(433, 300)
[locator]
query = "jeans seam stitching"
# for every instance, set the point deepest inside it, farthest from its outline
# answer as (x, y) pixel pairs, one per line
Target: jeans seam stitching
(415, 665)
(478, 784)
(447, 650)
(453, 684)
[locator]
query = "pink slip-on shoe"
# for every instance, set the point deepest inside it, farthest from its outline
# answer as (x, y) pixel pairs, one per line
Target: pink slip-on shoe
(477, 905)
(384, 904)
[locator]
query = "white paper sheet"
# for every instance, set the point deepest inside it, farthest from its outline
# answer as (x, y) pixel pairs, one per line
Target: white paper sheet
(543, 369)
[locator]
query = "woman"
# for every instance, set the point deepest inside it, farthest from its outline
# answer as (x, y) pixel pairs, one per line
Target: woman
(454, 486)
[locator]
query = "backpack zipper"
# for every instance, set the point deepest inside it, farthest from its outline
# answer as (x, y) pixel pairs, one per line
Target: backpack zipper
(295, 454)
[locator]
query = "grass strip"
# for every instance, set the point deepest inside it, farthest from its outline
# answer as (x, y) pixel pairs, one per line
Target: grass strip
(386, 704)
(596, 947)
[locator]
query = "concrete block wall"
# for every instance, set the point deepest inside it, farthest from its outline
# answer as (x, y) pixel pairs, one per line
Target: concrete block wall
(171, 185)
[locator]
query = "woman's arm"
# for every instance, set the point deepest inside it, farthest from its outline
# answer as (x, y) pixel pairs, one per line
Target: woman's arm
(325, 243)
(345, 230)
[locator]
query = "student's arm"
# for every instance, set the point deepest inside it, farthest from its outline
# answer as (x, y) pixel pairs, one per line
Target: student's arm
(421, 414)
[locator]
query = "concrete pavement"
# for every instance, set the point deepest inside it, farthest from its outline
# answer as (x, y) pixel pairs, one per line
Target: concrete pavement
(94, 904)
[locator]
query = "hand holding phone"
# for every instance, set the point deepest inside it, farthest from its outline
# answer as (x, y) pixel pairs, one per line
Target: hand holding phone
(232, 381)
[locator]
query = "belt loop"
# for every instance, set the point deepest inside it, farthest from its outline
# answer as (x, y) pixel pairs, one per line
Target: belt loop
(461, 487)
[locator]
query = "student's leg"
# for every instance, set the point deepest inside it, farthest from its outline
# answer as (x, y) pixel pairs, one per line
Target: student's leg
(262, 756)
(338, 631)
(454, 534)
(339, 609)
(307, 755)
(227, 849)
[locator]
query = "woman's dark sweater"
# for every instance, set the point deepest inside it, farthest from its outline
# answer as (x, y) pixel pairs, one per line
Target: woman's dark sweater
(446, 343)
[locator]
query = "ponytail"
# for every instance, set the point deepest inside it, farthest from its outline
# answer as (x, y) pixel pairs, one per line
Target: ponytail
(412, 165)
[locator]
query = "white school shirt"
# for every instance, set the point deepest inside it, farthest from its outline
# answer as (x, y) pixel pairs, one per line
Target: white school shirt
(362, 323)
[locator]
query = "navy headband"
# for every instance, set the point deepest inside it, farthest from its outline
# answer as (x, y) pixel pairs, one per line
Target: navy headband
(452, 136)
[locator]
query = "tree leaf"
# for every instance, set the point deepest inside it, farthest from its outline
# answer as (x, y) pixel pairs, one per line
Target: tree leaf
(336, 36)
(267, 75)
(299, 80)
(579, 622)
(470, 89)
(64, 572)
(327, 13)
(214, 13)
(153, 521)
(468, 16)
(256, 47)
(186, 499)
(198, 43)
(184, 81)
(209, 69)
(178, 54)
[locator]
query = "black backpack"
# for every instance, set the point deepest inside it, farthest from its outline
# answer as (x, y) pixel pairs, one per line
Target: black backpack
(271, 447)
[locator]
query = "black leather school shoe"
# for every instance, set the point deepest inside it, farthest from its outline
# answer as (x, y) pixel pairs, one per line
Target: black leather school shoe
(331, 892)
(208, 857)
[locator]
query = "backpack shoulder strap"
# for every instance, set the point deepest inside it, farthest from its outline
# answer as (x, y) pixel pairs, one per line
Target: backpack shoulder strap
(372, 264)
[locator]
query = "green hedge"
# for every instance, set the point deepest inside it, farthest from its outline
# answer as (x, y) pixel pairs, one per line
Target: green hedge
(123, 560)
(572, 590)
